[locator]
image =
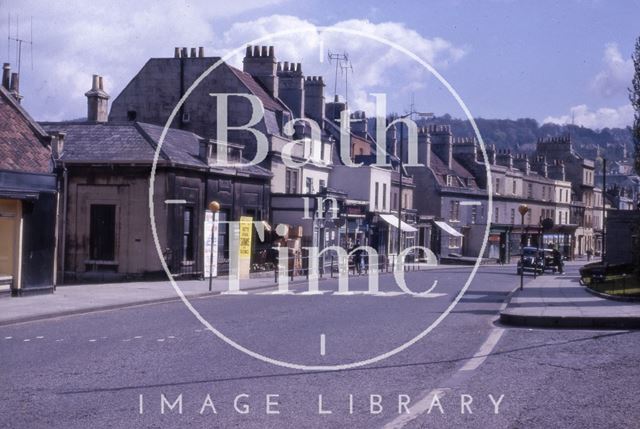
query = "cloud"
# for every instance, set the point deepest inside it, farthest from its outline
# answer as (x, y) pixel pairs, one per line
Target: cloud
(75, 39)
(376, 67)
(617, 74)
(604, 117)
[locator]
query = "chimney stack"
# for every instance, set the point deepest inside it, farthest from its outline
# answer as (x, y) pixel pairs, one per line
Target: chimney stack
(424, 147)
(57, 143)
(97, 101)
(314, 99)
(442, 143)
(6, 75)
(14, 87)
(291, 88)
(261, 64)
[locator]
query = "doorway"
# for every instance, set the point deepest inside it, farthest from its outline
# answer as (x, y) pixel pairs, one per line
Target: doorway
(10, 214)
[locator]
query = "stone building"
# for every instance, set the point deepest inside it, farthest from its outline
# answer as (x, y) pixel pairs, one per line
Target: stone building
(450, 204)
(282, 89)
(586, 200)
(105, 169)
(28, 196)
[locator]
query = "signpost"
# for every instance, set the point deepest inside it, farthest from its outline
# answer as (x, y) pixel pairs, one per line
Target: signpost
(211, 229)
(246, 231)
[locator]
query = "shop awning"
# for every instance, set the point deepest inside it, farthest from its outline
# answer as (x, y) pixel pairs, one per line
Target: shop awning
(393, 221)
(446, 228)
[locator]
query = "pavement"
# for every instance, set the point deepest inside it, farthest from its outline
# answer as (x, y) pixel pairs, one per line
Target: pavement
(560, 301)
(86, 298)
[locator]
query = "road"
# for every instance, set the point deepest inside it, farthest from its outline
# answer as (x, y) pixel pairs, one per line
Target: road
(113, 368)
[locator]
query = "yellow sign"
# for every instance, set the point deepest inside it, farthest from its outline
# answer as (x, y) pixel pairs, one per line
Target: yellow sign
(246, 229)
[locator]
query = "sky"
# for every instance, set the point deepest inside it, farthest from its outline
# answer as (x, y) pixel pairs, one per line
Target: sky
(555, 61)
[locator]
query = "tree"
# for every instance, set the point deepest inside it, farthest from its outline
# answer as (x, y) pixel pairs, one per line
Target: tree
(634, 97)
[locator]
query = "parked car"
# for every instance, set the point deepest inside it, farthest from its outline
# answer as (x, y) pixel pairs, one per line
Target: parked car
(532, 260)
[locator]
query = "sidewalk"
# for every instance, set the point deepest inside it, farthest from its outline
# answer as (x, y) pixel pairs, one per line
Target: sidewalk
(553, 301)
(85, 298)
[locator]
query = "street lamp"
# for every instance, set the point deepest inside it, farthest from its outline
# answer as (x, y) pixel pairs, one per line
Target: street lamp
(523, 209)
(214, 206)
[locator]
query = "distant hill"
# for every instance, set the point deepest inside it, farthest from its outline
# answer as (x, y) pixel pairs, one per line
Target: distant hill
(522, 134)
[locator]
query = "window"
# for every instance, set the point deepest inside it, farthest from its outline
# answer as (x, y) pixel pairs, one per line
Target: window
(102, 232)
(309, 184)
(474, 214)
(544, 192)
(291, 182)
(449, 180)
(375, 201)
(131, 115)
(384, 196)
(497, 186)
(454, 211)
(496, 215)
(406, 201)
(529, 217)
(513, 216)
(514, 188)
(323, 184)
(530, 190)
(187, 234)
(394, 201)
(454, 242)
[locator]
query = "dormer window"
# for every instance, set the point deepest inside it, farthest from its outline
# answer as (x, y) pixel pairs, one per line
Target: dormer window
(449, 180)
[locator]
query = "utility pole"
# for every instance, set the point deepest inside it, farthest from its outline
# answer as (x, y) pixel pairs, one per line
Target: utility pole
(604, 209)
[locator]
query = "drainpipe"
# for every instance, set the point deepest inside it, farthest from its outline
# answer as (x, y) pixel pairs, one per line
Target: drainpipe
(65, 180)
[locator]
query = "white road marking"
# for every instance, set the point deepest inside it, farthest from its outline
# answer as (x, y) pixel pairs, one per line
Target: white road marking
(160, 339)
(137, 337)
(92, 340)
(416, 409)
(484, 351)
(26, 339)
(59, 339)
(7, 338)
(40, 337)
(322, 345)
(171, 337)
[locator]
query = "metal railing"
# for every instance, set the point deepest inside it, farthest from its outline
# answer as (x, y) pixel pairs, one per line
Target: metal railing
(386, 264)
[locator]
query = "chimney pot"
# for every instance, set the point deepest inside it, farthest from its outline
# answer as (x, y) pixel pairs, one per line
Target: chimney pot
(264, 51)
(193, 52)
(248, 51)
(200, 52)
(271, 53)
(256, 51)
(185, 53)
(100, 83)
(176, 52)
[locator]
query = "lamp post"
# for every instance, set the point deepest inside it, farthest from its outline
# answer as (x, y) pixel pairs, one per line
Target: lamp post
(214, 206)
(523, 209)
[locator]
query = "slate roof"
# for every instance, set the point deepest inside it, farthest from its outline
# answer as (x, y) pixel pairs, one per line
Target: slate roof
(134, 143)
(22, 140)
(269, 102)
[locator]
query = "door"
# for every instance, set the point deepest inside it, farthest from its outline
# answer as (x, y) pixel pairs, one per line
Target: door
(9, 224)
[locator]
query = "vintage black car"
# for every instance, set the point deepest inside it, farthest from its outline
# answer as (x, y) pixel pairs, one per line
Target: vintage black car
(536, 260)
